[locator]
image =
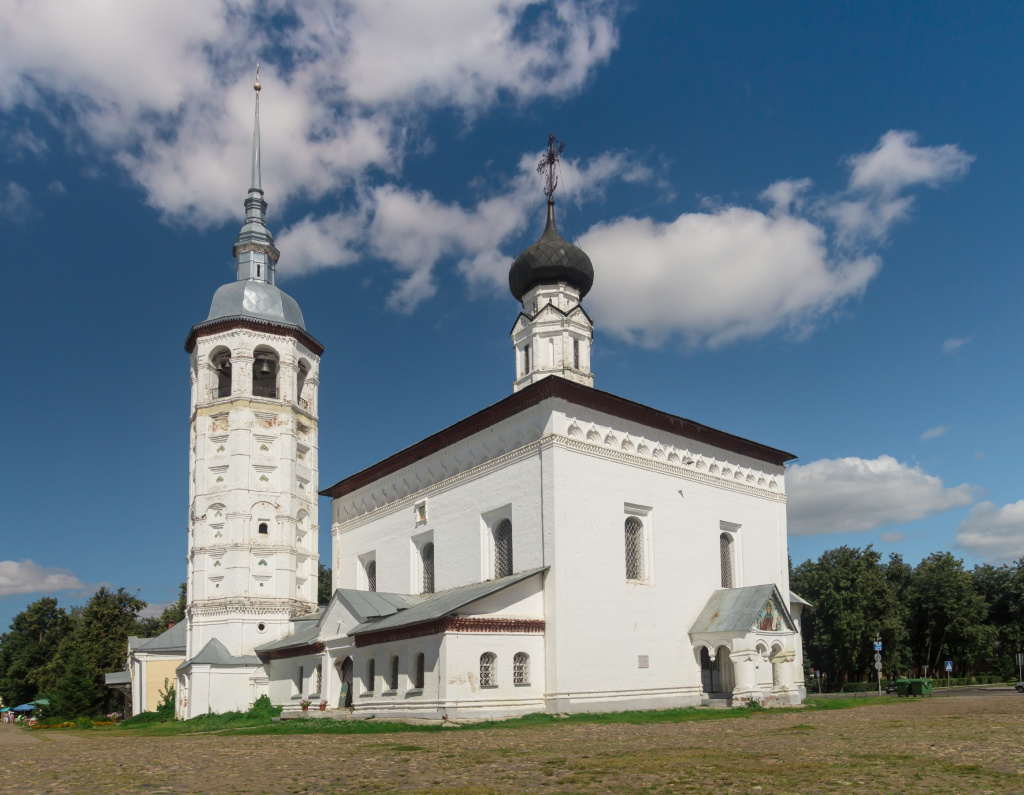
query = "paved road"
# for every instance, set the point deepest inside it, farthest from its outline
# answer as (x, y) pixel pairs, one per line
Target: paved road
(979, 692)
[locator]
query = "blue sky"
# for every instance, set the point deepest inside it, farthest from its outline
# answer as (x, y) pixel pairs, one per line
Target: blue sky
(804, 221)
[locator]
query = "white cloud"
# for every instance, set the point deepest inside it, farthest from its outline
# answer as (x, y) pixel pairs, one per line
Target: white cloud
(161, 87)
(893, 537)
(24, 577)
(852, 495)
(993, 534)
(872, 202)
(954, 344)
(15, 202)
(934, 433)
(161, 90)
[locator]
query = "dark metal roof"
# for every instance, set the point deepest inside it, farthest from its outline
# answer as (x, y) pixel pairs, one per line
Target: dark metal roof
(550, 388)
(117, 678)
(443, 603)
(551, 259)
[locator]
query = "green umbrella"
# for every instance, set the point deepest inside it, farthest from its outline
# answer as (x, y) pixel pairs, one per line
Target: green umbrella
(41, 702)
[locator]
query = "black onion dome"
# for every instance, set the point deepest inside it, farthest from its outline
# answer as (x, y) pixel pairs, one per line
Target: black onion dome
(551, 259)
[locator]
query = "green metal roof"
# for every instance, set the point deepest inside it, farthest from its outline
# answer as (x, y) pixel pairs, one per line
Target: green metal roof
(736, 609)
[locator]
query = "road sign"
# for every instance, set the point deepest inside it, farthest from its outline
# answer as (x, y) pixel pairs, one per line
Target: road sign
(878, 666)
(1020, 658)
(949, 666)
(878, 645)
(878, 656)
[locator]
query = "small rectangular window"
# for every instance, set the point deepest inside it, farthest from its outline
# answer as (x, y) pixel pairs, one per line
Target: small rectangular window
(576, 354)
(526, 359)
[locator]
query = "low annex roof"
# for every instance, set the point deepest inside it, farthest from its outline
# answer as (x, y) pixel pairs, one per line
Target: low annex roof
(215, 653)
(736, 609)
(118, 678)
(306, 631)
(374, 604)
(434, 606)
(557, 388)
(172, 639)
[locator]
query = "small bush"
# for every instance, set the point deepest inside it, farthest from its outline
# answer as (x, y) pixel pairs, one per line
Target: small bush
(83, 723)
(262, 708)
(165, 708)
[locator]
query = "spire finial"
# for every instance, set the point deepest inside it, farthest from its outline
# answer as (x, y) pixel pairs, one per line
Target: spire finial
(548, 162)
(256, 181)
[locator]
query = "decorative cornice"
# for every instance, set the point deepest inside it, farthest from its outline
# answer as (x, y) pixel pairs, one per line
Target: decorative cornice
(557, 388)
(210, 327)
(467, 624)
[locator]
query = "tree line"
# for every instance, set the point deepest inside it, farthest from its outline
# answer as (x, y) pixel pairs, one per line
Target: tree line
(62, 655)
(926, 614)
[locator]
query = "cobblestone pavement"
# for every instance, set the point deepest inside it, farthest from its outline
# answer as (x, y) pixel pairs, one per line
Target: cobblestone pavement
(940, 745)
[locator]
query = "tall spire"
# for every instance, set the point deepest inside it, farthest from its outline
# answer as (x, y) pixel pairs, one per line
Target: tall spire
(256, 182)
(254, 250)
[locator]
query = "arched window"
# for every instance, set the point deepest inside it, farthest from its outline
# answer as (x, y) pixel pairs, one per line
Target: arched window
(526, 359)
(265, 366)
(418, 669)
(300, 383)
(634, 548)
(576, 354)
(521, 668)
(371, 576)
(319, 678)
(725, 551)
(264, 529)
(488, 669)
(503, 548)
(393, 674)
(220, 361)
(371, 675)
(300, 675)
(427, 555)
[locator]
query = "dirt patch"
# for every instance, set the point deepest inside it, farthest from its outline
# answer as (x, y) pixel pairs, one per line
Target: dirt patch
(940, 745)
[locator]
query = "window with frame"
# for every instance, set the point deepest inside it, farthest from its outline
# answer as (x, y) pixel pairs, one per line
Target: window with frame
(521, 668)
(393, 674)
(418, 672)
(503, 548)
(299, 676)
(319, 678)
(371, 675)
(371, 575)
(526, 359)
(576, 354)
(725, 553)
(488, 669)
(634, 548)
(427, 558)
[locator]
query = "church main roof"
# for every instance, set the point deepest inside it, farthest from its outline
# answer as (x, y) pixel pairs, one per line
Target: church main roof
(551, 259)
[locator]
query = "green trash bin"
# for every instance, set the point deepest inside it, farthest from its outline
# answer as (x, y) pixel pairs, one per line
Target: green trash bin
(902, 688)
(922, 687)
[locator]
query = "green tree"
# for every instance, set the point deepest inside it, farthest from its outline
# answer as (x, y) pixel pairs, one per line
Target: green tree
(949, 614)
(34, 637)
(77, 692)
(324, 591)
(852, 603)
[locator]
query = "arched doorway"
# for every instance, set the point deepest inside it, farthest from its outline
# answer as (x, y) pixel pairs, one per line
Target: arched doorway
(716, 676)
(345, 670)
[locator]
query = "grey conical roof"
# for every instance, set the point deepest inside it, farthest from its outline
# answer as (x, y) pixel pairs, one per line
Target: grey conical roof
(551, 259)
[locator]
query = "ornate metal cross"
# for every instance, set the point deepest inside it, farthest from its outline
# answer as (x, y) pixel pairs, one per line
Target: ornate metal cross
(547, 163)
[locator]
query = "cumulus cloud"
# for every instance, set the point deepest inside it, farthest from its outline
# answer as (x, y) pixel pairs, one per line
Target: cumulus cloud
(853, 495)
(162, 91)
(993, 534)
(23, 577)
(934, 433)
(893, 536)
(161, 86)
(954, 344)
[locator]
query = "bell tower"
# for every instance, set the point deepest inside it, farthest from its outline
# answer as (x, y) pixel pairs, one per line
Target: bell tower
(553, 334)
(253, 469)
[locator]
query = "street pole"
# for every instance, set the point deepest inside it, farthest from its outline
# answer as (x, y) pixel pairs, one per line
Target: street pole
(878, 662)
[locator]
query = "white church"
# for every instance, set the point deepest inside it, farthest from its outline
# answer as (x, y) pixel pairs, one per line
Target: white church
(562, 550)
